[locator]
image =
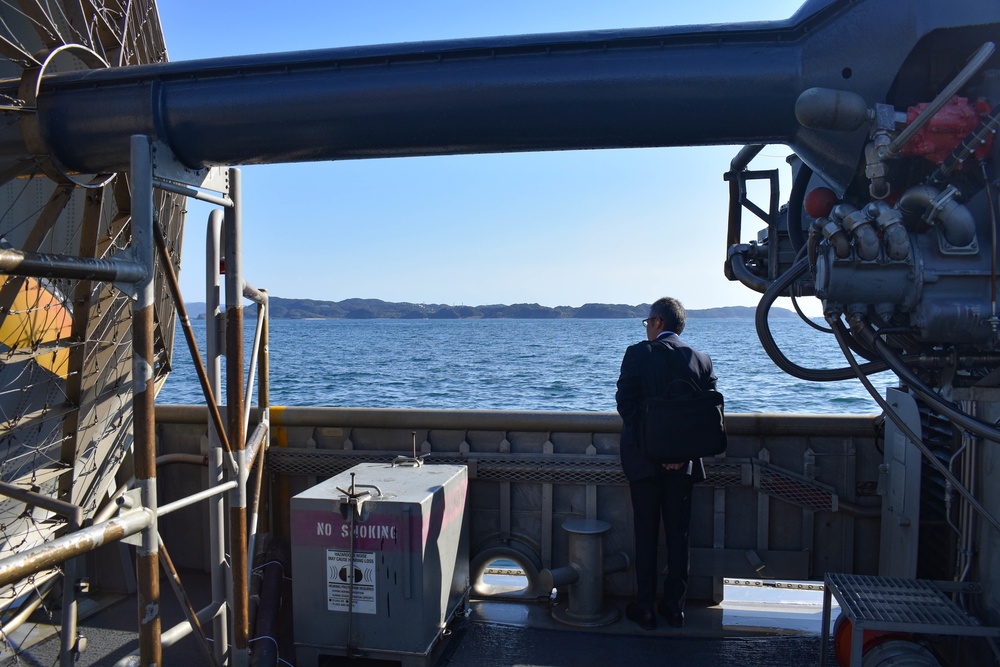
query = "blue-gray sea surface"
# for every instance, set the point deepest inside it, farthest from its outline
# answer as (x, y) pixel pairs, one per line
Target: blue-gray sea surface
(564, 364)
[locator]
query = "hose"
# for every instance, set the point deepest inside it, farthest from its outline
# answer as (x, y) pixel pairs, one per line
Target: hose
(737, 262)
(802, 316)
(778, 288)
(944, 407)
(911, 436)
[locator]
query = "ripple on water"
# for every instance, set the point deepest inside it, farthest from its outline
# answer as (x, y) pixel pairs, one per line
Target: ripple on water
(523, 365)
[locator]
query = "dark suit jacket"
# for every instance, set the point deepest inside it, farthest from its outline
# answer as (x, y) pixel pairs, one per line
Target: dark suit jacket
(646, 372)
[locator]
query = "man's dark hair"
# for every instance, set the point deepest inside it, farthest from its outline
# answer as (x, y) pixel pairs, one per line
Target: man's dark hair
(672, 313)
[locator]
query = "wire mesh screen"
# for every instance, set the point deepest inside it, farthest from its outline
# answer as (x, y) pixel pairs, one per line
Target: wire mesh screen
(540, 468)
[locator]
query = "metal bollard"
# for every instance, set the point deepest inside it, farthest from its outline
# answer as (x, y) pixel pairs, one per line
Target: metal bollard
(584, 575)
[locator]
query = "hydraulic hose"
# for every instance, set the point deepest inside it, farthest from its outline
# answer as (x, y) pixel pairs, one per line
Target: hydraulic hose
(737, 262)
(945, 407)
(778, 288)
(910, 435)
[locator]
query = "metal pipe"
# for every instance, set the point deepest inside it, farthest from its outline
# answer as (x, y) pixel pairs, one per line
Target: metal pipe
(191, 459)
(69, 604)
(24, 563)
(266, 630)
(28, 608)
(956, 220)
(45, 265)
(187, 501)
(254, 352)
(175, 290)
(254, 294)
(111, 505)
(256, 444)
(264, 383)
(183, 629)
(737, 190)
(182, 597)
(574, 422)
(74, 516)
(143, 397)
(72, 512)
(234, 416)
(737, 262)
(263, 399)
(176, 633)
(194, 193)
(487, 93)
(604, 89)
(216, 471)
(259, 449)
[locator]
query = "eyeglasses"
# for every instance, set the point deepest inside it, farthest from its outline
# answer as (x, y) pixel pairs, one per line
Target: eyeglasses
(646, 321)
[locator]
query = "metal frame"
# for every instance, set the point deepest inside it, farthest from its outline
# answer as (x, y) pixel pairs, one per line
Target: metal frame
(906, 605)
(153, 166)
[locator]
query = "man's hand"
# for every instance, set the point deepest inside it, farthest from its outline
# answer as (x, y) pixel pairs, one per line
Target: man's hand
(673, 466)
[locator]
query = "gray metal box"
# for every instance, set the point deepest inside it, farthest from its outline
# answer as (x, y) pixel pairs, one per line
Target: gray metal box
(410, 556)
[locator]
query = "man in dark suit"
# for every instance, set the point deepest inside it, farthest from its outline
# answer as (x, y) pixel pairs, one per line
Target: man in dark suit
(660, 492)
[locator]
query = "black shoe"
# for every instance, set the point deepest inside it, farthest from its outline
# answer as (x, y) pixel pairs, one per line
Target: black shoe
(675, 619)
(644, 619)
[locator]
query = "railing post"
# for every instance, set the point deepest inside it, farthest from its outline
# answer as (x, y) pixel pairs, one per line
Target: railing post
(234, 417)
(147, 562)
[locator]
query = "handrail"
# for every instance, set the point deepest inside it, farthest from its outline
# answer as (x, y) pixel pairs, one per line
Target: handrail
(515, 420)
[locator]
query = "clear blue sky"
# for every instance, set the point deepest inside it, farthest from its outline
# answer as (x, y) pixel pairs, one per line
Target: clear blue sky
(551, 228)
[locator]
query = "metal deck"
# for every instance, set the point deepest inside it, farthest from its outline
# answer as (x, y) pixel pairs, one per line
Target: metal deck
(495, 634)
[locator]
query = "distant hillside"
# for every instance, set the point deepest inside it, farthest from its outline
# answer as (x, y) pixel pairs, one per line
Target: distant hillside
(372, 309)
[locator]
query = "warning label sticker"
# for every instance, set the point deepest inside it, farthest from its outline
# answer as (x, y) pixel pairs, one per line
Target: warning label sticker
(340, 576)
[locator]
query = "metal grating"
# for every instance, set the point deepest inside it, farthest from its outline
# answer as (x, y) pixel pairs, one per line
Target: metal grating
(797, 490)
(580, 471)
(913, 605)
(548, 469)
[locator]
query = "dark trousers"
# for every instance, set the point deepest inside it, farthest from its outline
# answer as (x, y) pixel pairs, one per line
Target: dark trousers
(666, 497)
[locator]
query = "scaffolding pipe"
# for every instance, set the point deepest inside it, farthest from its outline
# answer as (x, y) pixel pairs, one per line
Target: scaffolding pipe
(176, 633)
(216, 471)
(73, 513)
(234, 416)
(254, 294)
(52, 553)
(74, 519)
(264, 365)
(143, 398)
(187, 501)
(194, 193)
(29, 607)
(259, 446)
(254, 354)
(182, 597)
(47, 265)
(192, 343)
(256, 444)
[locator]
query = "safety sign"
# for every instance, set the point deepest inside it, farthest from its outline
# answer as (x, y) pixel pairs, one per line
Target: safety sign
(340, 576)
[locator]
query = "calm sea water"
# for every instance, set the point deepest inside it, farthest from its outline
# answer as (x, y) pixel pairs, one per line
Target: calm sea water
(521, 365)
